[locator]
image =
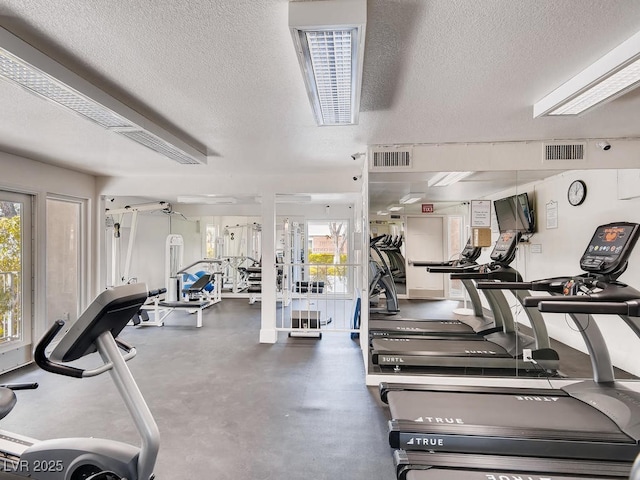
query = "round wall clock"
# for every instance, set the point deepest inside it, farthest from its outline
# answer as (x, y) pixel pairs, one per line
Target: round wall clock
(577, 192)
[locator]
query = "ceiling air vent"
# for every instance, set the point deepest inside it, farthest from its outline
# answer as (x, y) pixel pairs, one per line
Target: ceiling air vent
(563, 151)
(391, 159)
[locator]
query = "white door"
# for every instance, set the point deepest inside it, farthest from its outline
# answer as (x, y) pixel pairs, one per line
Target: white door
(16, 320)
(423, 243)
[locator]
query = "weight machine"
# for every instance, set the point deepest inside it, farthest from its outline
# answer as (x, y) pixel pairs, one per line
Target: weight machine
(241, 250)
(115, 220)
(194, 297)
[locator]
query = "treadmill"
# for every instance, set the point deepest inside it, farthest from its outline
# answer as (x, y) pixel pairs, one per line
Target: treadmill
(467, 326)
(497, 350)
(381, 281)
(591, 421)
(451, 466)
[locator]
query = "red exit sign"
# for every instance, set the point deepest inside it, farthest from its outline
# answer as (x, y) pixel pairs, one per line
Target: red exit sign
(427, 208)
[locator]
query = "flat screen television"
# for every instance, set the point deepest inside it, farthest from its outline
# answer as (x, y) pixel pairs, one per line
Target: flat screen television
(514, 213)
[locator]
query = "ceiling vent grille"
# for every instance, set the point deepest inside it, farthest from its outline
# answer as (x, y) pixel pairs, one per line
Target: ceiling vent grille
(568, 151)
(391, 159)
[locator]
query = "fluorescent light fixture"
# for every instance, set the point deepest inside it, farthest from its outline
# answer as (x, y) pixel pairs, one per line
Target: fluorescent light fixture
(329, 41)
(23, 65)
(382, 212)
(444, 179)
(394, 208)
(207, 200)
(612, 75)
(292, 198)
(411, 198)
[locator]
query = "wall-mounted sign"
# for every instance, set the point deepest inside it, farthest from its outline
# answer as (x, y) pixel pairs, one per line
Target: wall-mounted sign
(427, 208)
(552, 214)
(535, 248)
(480, 213)
(481, 237)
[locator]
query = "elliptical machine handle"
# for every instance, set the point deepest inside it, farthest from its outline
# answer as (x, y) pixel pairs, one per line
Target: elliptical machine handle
(43, 361)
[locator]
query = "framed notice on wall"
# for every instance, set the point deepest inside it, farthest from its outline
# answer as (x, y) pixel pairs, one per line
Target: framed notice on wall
(480, 213)
(552, 214)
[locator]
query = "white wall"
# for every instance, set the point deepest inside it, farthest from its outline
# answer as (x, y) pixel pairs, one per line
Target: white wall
(563, 247)
(514, 156)
(228, 184)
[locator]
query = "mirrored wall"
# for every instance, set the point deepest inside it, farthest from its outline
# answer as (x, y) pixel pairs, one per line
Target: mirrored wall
(420, 270)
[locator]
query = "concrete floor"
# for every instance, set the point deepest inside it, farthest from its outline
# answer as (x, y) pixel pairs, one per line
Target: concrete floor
(227, 407)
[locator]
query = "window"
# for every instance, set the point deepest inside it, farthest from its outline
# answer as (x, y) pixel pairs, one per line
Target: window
(327, 248)
(63, 259)
(15, 280)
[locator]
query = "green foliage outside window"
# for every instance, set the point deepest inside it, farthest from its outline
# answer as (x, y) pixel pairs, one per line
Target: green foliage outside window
(322, 268)
(10, 266)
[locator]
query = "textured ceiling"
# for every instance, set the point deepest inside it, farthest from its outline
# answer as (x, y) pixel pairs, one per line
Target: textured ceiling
(224, 75)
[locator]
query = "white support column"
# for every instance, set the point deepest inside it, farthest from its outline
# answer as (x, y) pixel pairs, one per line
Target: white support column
(268, 333)
(364, 262)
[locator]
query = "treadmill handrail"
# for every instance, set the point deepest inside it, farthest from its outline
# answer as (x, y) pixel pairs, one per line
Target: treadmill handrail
(453, 268)
(551, 285)
(630, 308)
(420, 263)
(504, 285)
(493, 271)
(595, 291)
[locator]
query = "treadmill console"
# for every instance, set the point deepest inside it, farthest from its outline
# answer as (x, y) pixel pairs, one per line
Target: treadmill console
(470, 253)
(505, 248)
(610, 247)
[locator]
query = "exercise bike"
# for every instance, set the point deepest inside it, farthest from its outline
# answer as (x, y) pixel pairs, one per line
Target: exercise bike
(87, 458)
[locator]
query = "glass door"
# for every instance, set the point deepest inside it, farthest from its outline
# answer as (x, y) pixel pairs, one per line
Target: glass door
(15, 280)
(327, 249)
(64, 242)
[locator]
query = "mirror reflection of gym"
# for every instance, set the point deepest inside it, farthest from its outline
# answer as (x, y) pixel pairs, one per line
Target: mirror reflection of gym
(531, 257)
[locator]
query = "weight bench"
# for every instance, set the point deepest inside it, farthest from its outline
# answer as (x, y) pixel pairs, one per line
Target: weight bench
(163, 308)
(195, 290)
(191, 306)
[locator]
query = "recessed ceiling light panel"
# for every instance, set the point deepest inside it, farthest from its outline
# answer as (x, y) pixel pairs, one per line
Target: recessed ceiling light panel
(609, 77)
(329, 41)
(444, 179)
(411, 198)
(23, 65)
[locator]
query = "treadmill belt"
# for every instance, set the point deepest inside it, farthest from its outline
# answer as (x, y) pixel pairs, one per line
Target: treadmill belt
(450, 466)
(421, 326)
(466, 413)
(450, 474)
(427, 347)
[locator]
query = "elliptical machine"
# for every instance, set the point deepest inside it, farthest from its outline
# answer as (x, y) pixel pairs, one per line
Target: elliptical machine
(88, 458)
